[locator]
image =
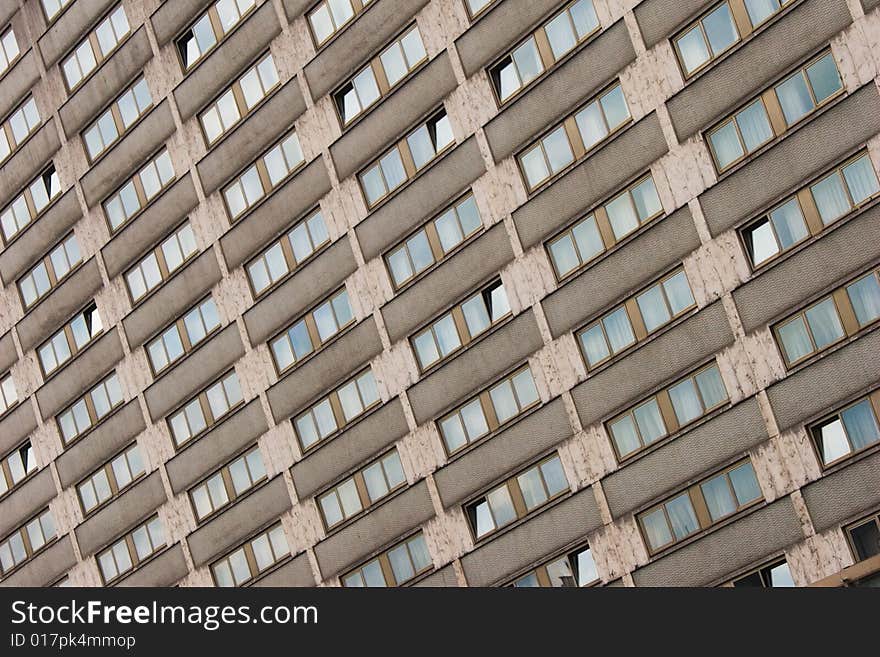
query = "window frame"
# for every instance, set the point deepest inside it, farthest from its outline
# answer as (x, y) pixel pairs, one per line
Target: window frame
(115, 489)
(8, 406)
(62, 7)
(358, 7)
(48, 172)
(22, 531)
(872, 397)
(214, 20)
(6, 126)
(246, 546)
(74, 350)
(140, 192)
(6, 475)
(207, 412)
(387, 569)
(848, 528)
(136, 561)
(118, 120)
(542, 574)
(232, 497)
(761, 571)
(49, 265)
(183, 334)
(94, 420)
(10, 63)
(161, 263)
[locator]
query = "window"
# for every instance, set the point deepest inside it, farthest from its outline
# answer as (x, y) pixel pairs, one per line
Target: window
(50, 271)
(543, 48)
(636, 319)
(864, 538)
(183, 336)
(116, 119)
(362, 490)
(70, 340)
(774, 575)
(131, 550)
(161, 263)
(460, 326)
(574, 138)
(249, 561)
(312, 331)
(667, 411)
(808, 212)
(143, 187)
(239, 99)
(337, 410)
(16, 465)
(8, 50)
(488, 411)
(575, 569)
(774, 112)
(393, 567)
(841, 314)
(285, 255)
(406, 158)
(209, 28)
(229, 483)
(607, 225)
(263, 176)
(517, 497)
(700, 506)
(111, 479)
(205, 410)
(30, 203)
(476, 7)
(90, 409)
(26, 541)
(848, 430)
(434, 241)
(8, 395)
(53, 7)
(100, 43)
(18, 127)
(380, 75)
(330, 16)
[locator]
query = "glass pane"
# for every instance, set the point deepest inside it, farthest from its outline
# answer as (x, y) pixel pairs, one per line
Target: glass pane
(591, 125)
(446, 335)
(866, 539)
(483, 520)
(418, 550)
(831, 198)
(754, 125)
(745, 484)
(584, 16)
(394, 64)
(656, 529)
(623, 432)
(861, 179)
(693, 50)
(646, 199)
(453, 433)
(502, 506)
(593, 344)
(788, 220)
(392, 167)
(711, 387)
(780, 576)
(678, 292)
(795, 99)
(861, 425)
(413, 47)
(719, 498)
(448, 230)
(524, 385)
(554, 476)
(682, 517)
(350, 400)
(650, 422)
(528, 61)
(653, 308)
(508, 80)
(532, 488)
(561, 35)
(421, 147)
(726, 145)
(504, 401)
(865, 297)
(586, 567)
(426, 349)
(401, 565)
(588, 239)
(564, 255)
(558, 150)
(622, 215)
(475, 315)
(262, 552)
(615, 108)
(720, 29)
(619, 330)
(760, 10)
(795, 339)
(299, 338)
(685, 401)
(534, 166)
(831, 441)
(824, 78)
(824, 323)
(474, 420)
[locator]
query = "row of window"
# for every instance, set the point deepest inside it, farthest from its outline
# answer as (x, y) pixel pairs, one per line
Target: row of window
(207, 408)
(139, 190)
(848, 430)
(775, 111)
(209, 28)
(380, 75)
(96, 47)
(8, 394)
(106, 130)
(15, 466)
(634, 320)
(230, 482)
(90, 409)
(574, 137)
(394, 567)
(721, 28)
(26, 541)
(158, 265)
(9, 50)
(459, 326)
(18, 127)
(128, 552)
(50, 271)
(72, 338)
(30, 203)
(330, 16)
(836, 316)
(183, 336)
(111, 479)
(543, 48)
(810, 210)
(337, 410)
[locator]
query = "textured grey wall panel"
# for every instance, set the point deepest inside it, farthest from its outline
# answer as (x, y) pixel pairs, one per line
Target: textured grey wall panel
(658, 19)
(731, 547)
(495, 457)
(120, 515)
(868, 5)
(217, 446)
(746, 72)
(497, 30)
(687, 456)
(444, 577)
(250, 512)
(106, 82)
(349, 449)
(348, 51)
(46, 567)
(26, 499)
(482, 361)
(28, 161)
(125, 156)
(172, 299)
(546, 532)
(296, 572)
(603, 172)
(405, 105)
(672, 352)
(645, 257)
(556, 95)
(98, 445)
(228, 59)
(418, 200)
(827, 382)
(806, 151)
(834, 257)
(848, 492)
(326, 272)
(342, 357)
(380, 526)
(154, 223)
(200, 366)
(448, 282)
(164, 569)
(8, 355)
(288, 202)
(15, 425)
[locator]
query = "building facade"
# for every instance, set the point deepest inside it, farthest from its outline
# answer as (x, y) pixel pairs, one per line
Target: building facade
(439, 292)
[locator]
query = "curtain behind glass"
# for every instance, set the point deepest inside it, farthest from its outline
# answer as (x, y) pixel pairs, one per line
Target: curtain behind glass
(861, 425)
